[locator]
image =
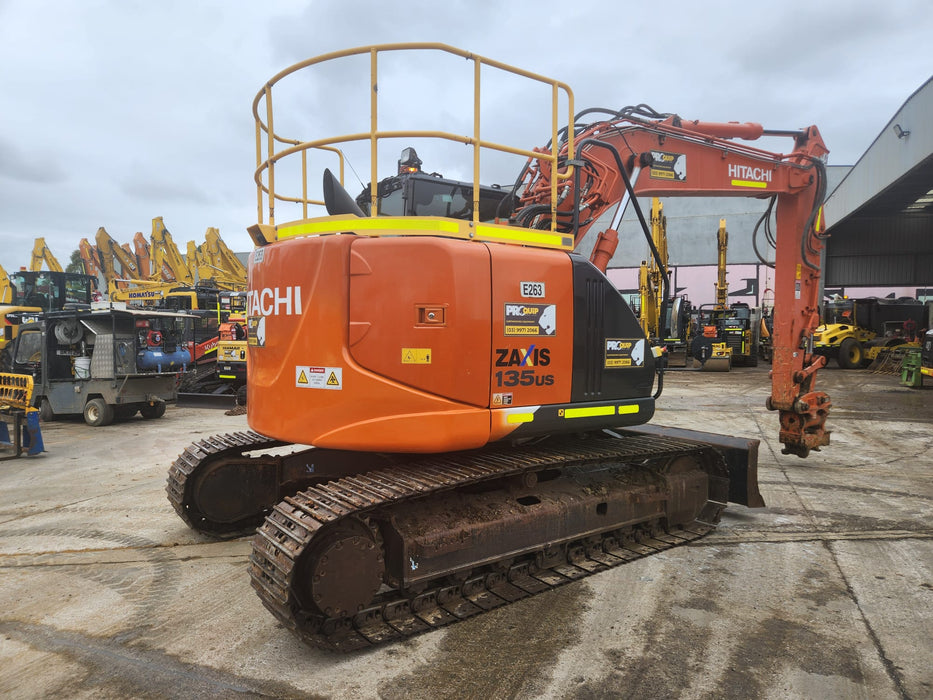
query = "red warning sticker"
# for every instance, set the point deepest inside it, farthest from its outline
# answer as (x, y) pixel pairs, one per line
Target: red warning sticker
(310, 377)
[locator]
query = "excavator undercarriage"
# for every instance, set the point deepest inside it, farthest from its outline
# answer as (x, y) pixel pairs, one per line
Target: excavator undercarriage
(377, 547)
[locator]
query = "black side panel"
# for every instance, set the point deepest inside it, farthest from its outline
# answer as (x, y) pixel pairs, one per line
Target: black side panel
(611, 358)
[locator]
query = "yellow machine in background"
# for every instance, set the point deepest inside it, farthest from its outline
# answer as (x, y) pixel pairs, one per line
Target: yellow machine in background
(669, 323)
(711, 353)
(40, 254)
(167, 262)
(6, 291)
(116, 263)
(214, 263)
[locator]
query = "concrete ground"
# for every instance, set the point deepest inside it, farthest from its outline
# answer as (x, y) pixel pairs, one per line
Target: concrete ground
(826, 593)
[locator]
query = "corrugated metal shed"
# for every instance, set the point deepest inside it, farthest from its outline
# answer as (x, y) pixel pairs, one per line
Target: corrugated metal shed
(692, 223)
(880, 217)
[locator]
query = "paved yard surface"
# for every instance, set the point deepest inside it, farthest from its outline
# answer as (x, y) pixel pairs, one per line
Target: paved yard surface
(826, 593)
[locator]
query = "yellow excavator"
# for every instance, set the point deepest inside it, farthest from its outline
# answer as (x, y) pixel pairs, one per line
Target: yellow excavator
(167, 262)
(710, 350)
(117, 264)
(663, 315)
(40, 254)
(214, 263)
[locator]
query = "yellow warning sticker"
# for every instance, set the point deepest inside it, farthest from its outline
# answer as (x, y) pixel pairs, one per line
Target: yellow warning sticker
(310, 377)
(416, 356)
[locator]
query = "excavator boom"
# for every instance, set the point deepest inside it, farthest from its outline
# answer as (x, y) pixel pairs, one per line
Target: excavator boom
(612, 161)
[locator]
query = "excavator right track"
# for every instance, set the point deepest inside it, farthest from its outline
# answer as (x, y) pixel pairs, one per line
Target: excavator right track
(377, 556)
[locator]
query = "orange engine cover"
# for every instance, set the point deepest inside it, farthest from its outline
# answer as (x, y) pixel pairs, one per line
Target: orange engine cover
(414, 343)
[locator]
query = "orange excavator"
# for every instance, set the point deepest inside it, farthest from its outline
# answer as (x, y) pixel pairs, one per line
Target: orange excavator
(475, 393)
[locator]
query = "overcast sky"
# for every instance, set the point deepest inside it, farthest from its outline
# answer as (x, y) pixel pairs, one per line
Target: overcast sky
(114, 112)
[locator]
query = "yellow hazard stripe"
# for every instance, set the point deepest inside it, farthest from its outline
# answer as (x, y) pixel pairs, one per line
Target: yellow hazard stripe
(594, 411)
(749, 183)
(497, 233)
(520, 417)
(426, 226)
(368, 224)
(589, 411)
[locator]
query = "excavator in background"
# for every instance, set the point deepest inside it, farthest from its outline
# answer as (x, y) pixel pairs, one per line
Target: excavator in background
(117, 265)
(657, 303)
(228, 272)
(141, 250)
(42, 254)
(167, 262)
(215, 264)
(728, 334)
(475, 393)
(88, 254)
(709, 348)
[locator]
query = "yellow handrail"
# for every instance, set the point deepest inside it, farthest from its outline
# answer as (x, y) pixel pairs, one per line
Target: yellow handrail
(267, 156)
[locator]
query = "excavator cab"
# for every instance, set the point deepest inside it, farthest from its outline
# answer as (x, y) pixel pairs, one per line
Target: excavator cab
(415, 193)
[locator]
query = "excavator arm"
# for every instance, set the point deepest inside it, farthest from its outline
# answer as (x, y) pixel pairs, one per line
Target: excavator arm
(722, 247)
(40, 254)
(141, 250)
(221, 257)
(637, 152)
(166, 260)
(111, 255)
(650, 275)
(90, 258)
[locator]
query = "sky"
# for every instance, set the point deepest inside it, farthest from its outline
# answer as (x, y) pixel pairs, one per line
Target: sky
(115, 112)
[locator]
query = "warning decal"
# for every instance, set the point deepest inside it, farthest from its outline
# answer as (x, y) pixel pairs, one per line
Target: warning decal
(307, 377)
(416, 356)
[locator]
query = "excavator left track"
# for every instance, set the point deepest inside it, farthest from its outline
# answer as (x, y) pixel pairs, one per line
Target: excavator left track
(386, 554)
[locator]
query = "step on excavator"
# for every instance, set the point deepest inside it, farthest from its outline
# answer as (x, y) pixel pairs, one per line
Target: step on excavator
(466, 398)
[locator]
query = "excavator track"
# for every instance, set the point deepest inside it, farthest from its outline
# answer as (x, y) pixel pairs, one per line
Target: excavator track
(323, 550)
(187, 471)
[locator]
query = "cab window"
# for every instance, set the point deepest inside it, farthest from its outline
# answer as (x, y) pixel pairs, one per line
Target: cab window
(28, 348)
